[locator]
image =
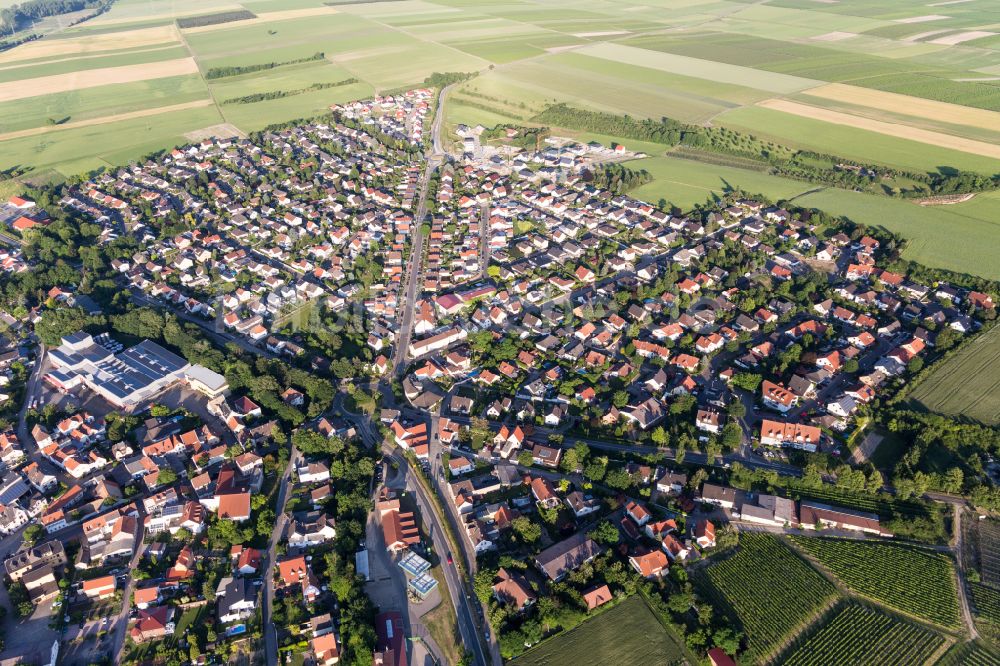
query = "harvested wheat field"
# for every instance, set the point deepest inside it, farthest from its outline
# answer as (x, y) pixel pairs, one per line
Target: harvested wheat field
(57, 83)
(111, 41)
(265, 17)
(889, 129)
(955, 114)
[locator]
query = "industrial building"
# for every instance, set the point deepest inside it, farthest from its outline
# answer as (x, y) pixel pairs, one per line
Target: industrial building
(128, 378)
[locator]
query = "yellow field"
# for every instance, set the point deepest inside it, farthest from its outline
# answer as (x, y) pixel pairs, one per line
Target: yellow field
(266, 17)
(113, 41)
(955, 114)
(889, 129)
(34, 131)
(111, 19)
(57, 83)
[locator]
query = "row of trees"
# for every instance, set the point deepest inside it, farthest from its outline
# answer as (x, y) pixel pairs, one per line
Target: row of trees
(238, 70)
(619, 178)
(778, 159)
(278, 94)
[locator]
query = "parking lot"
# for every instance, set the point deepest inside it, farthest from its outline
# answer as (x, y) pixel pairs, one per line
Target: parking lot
(30, 641)
(87, 644)
(8, 214)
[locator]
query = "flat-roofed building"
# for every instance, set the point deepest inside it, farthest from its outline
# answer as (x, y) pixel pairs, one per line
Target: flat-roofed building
(128, 378)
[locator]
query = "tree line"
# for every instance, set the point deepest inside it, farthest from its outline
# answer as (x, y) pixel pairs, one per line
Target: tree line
(619, 178)
(32, 10)
(239, 70)
(278, 94)
(442, 79)
(778, 159)
(215, 19)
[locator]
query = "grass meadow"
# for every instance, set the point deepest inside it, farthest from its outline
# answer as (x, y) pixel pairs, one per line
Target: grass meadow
(685, 182)
(850, 142)
(98, 102)
(962, 237)
(966, 384)
(600, 640)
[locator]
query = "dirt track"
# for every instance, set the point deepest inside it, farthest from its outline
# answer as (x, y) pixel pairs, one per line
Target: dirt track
(889, 129)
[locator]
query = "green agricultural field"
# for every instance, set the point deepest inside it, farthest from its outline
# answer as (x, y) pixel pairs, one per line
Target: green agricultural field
(601, 640)
(771, 591)
(918, 582)
(24, 71)
(128, 11)
(287, 77)
(100, 101)
(685, 182)
(858, 144)
(609, 85)
(78, 150)
(259, 115)
(863, 636)
(967, 383)
(986, 604)
(963, 237)
(976, 653)
(702, 68)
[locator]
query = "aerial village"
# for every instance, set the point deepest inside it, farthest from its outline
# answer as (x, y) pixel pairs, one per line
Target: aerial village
(540, 388)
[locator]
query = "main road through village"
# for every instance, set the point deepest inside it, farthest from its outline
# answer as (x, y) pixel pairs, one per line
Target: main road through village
(469, 628)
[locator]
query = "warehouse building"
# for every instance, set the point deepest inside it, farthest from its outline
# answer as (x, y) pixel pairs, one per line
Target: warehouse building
(126, 379)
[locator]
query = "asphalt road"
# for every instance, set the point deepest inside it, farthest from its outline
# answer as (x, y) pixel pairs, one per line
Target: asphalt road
(119, 624)
(270, 633)
(400, 349)
(467, 624)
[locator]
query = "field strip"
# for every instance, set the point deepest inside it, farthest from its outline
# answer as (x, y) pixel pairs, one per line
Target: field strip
(91, 78)
(923, 35)
(923, 19)
(124, 20)
(87, 56)
(889, 129)
(34, 131)
(698, 68)
(111, 41)
(958, 38)
(265, 17)
(944, 112)
(835, 36)
(601, 33)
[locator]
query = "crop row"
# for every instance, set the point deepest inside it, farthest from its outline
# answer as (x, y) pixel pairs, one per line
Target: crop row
(989, 551)
(916, 581)
(987, 602)
(970, 654)
(862, 636)
(771, 589)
